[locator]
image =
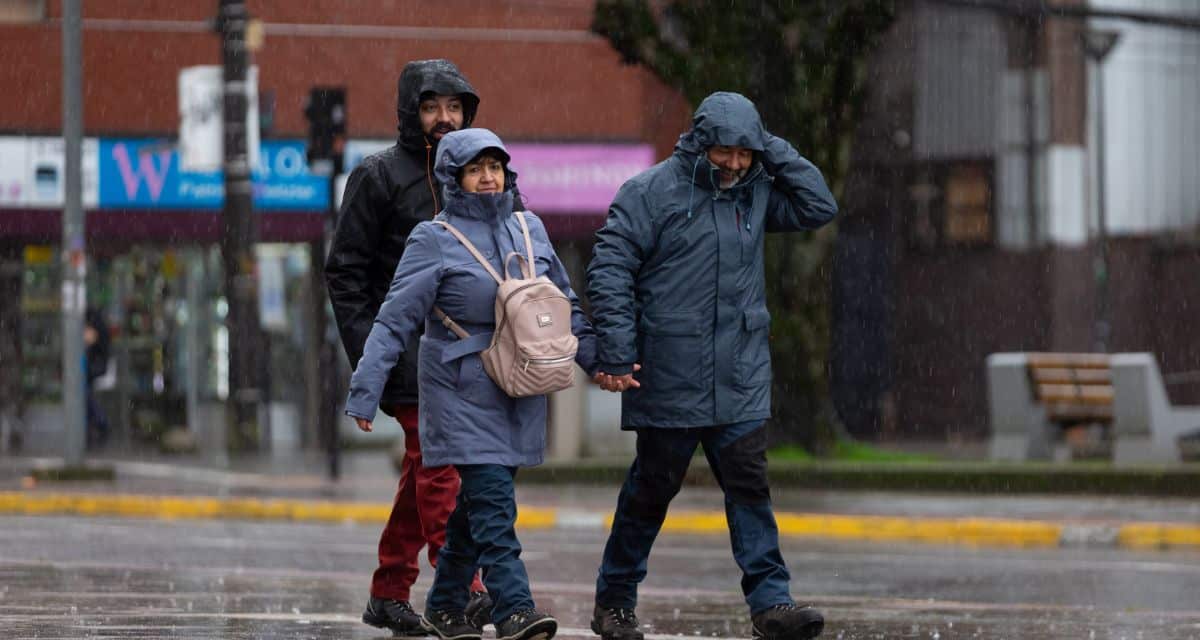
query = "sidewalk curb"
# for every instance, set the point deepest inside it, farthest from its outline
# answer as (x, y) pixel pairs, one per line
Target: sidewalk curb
(950, 477)
(983, 532)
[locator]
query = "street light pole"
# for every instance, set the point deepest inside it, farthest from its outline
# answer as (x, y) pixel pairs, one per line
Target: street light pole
(1097, 45)
(74, 256)
(239, 232)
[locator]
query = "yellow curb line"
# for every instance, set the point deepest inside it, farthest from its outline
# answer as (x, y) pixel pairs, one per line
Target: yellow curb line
(1146, 535)
(181, 508)
(967, 531)
(971, 531)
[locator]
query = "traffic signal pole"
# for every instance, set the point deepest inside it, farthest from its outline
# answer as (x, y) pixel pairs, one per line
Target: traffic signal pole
(238, 234)
(326, 115)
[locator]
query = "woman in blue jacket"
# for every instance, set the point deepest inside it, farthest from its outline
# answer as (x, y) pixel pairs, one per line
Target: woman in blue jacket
(465, 419)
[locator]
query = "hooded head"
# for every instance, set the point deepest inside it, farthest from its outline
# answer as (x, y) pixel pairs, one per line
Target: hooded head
(425, 78)
(724, 119)
(458, 149)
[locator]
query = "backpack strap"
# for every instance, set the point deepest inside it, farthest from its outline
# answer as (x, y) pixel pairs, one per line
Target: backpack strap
(437, 311)
(447, 321)
(450, 324)
(470, 247)
(528, 245)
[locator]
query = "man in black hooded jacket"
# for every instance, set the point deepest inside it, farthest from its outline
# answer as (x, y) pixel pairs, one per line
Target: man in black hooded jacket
(385, 197)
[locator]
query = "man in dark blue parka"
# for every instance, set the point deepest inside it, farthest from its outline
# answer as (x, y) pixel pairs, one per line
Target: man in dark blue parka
(676, 285)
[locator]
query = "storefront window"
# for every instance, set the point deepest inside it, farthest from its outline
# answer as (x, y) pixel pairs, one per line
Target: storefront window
(165, 315)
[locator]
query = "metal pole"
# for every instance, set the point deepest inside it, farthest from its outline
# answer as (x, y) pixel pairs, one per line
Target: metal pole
(1097, 44)
(194, 282)
(238, 233)
(326, 387)
(74, 258)
(1031, 31)
(329, 417)
(1103, 326)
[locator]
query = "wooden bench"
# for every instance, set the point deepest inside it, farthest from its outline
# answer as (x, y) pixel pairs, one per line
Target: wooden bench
(1074, 388)
(1035, 399)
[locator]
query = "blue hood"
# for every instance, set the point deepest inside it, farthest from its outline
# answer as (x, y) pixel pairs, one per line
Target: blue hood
(457, 149)
(727, 119)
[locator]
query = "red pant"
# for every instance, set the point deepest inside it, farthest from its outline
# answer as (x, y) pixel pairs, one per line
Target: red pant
(424, 500)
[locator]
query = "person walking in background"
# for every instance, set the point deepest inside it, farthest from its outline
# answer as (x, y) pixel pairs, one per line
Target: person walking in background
(96, 341)
(676, 285)
(466, 419)
(386, 196)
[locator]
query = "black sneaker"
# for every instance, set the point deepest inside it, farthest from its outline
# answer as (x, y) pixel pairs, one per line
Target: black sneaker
(787, 622)
(479, 609)
(527, 624)
(615, 624)
(397, 615)
(451, 625)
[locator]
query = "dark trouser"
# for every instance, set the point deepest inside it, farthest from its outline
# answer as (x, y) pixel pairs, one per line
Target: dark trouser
(97, 422)
(482, 533)
(424, 500)
(737, 456)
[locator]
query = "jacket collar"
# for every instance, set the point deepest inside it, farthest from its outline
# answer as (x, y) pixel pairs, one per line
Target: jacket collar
(457, 149)
(485, 207)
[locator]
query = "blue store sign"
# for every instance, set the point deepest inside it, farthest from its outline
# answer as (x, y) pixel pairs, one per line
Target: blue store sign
(145, 174)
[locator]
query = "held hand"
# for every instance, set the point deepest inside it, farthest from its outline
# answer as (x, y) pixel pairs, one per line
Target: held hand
(617, 384)
(363, 424)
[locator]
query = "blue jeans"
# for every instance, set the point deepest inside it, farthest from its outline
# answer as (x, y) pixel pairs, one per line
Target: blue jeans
(481, 533)
(737, 456)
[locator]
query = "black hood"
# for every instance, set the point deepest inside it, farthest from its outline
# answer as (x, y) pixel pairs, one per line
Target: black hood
(424, 76)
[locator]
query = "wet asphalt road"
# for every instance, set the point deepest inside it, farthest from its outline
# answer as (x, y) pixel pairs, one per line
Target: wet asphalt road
(73, 577)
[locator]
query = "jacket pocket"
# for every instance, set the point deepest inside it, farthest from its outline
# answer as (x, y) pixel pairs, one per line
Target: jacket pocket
(474, 384)
(673, 351)
(753, 364)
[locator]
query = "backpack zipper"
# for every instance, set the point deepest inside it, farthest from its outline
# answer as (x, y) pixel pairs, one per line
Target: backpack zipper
(545, 362)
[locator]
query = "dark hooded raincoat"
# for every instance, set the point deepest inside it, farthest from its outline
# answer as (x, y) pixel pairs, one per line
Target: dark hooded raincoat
(676, 279)
(386, 196)
(464, 417)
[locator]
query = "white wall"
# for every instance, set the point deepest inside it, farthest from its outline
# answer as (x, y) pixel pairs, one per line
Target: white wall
(1065, 220)
(1152, 99)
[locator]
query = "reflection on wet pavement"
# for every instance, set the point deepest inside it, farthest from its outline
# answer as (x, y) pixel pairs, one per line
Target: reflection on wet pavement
(99, 578)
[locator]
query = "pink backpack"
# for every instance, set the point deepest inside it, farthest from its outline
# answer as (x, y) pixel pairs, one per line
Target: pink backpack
(533, 350)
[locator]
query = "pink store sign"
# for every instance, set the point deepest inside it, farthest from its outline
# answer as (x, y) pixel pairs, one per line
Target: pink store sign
(575, 178)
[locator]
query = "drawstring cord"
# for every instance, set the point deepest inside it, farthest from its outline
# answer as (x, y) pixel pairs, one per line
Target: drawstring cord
(429, 175)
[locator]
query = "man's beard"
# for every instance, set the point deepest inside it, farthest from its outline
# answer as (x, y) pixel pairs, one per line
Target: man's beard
(726, 179)
(441, 129)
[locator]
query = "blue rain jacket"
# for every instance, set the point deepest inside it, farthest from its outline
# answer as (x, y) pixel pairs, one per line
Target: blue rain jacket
(676, 279)
(464, 417)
